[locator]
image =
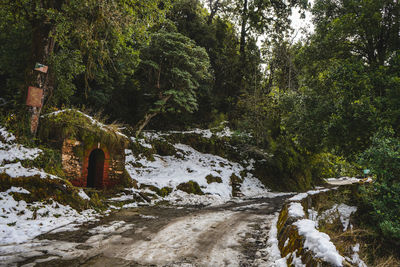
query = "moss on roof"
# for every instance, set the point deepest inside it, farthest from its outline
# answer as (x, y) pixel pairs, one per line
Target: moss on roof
(74, 124)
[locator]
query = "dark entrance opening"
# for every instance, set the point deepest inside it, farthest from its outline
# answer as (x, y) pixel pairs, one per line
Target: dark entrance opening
(95, 169)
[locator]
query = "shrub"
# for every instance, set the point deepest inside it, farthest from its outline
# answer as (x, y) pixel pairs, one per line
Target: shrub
(383, 197)
(326, 165)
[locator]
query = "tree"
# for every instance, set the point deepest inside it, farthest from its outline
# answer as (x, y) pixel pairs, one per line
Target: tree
(369, 29)
(262, 17)
(171, 71)
(88, 38)
(220, 40)
(346, 77)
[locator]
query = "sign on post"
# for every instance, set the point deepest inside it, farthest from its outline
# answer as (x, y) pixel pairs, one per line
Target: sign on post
(34, 98)
(40, 67)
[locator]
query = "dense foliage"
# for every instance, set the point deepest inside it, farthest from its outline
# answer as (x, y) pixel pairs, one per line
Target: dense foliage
(383, 198)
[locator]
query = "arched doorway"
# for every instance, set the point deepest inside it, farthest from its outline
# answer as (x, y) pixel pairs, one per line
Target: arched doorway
(95, 169)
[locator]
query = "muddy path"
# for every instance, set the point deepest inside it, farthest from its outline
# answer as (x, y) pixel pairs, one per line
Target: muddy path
(233, 234)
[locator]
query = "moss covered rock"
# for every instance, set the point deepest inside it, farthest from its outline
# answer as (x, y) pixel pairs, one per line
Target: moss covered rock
(213, 179)
(190, 187)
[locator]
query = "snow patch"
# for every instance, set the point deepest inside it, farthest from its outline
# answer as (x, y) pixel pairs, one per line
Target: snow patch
(7, 136)
(179, 197)
(275, 259)
(15, 170)
(12, 152)
(20, 190)
(83, 195)
(21, 221)
(190, 164)
(343, 180)
(296, 210)
(112, 227)
(298, 197)
(342, 211)
(355, 258)
(318, 242)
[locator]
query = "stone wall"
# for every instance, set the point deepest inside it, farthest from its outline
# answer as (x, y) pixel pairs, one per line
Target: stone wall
(116, 169)
(291, 243)
(71, 163)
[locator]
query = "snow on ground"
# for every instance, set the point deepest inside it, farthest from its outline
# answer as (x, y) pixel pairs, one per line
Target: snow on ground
(275, 258)
(168, 244)
(342, 211)
(16, 170)
(21, 221)
(179, 197)
(298, 197)
(7, 136)
(318, 242)
(206, 133)
(190, 164)
(355, 258)
(112, 227)
(83, 195)
(346, 180)
(11, 152)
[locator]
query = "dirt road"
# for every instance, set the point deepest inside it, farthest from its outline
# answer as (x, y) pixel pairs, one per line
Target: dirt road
(233, 234)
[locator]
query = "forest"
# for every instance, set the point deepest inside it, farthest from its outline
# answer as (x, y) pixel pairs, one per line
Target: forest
(326, 104)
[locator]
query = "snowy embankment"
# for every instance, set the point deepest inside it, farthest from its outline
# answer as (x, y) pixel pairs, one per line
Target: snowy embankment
(307, 226)
(212, 173)
(20, 220)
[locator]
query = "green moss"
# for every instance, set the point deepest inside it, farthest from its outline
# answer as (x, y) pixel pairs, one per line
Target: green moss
(235, 179)
(49, 160)
(164, 148)
(153, 188)
(47, 190)
(127, 181)
(190, 187)
(73, 124)
(213, 179)
(165, 191)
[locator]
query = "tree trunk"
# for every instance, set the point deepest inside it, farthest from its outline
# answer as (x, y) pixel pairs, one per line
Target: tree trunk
(42, 47)
(213, 6)
(141, 124)
(144, 122)
(243, 30)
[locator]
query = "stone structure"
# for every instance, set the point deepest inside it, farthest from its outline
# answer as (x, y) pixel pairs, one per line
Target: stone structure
(92, 165)
(93, 154)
